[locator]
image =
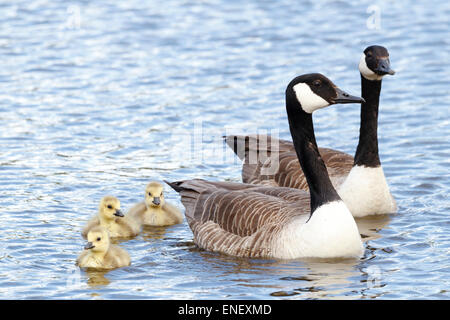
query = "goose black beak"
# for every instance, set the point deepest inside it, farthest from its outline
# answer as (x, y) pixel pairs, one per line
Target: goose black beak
(157, 201)
(118, 213)
(344, 97)
(384, 67)
(88, 246)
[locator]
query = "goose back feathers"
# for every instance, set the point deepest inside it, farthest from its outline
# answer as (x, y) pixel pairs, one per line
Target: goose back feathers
(245, 220)
(280, 165)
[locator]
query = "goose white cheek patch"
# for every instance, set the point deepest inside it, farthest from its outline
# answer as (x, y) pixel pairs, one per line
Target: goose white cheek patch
(365, 71)
(308, 99)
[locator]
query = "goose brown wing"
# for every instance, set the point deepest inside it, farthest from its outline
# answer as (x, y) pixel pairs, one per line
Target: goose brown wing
(338, 163)
(240, 209)
(290, 173)
(254, 150)
(262, 166)
(239, 219)
(243, 145)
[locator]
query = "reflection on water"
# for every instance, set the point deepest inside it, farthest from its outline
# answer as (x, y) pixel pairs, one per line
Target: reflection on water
(305, 278)
(101, 98)
(97, 278)
(322, 280)
(369, 227)
(153, 233)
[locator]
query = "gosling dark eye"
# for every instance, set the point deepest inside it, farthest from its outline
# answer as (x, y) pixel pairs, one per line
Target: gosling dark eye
(317, 83)
(109, 206)
(150, 194)
(98, 239)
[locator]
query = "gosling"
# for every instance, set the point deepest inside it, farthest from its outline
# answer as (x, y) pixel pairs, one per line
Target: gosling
(112, 219)
(100, 254)
(155, 211)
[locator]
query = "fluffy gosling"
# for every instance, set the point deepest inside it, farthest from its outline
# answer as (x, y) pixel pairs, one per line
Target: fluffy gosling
(100, 254)
(155, 211)
(112, 219)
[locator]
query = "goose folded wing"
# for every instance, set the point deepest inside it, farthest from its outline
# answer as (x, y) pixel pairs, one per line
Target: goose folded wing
(274, 162)
(240, 209)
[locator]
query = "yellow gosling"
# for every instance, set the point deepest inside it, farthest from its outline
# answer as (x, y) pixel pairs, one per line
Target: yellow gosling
(155, 211)
(112, 219)
(100, 254)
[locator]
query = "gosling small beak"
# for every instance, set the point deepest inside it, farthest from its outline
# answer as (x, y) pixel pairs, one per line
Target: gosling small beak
(88, 246)
(344, 97)
(384, 67)
(157, 201)
(118, 213)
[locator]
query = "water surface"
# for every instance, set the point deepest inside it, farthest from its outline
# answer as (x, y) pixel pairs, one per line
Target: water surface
(100, 98)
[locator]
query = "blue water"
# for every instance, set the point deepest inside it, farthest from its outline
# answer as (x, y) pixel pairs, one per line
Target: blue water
(100, 98)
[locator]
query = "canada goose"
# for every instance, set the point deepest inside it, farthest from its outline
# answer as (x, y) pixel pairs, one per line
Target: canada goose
(111, 217)
(275, 222)
(100, 254)
(155, 211)
(360, 181)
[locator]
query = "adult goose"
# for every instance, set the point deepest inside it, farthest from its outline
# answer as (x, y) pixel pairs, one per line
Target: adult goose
(360, 181)
(257, 221)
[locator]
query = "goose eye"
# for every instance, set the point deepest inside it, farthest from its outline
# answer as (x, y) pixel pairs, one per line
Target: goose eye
(317, 83)
(150, 194)
(109, 206)
(98, 239)
(369, 54)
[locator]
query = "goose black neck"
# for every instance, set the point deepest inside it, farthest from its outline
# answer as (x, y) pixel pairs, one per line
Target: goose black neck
(367, 150)
(314, 169)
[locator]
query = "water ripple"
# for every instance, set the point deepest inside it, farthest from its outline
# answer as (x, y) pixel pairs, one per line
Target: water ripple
(99, 98)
